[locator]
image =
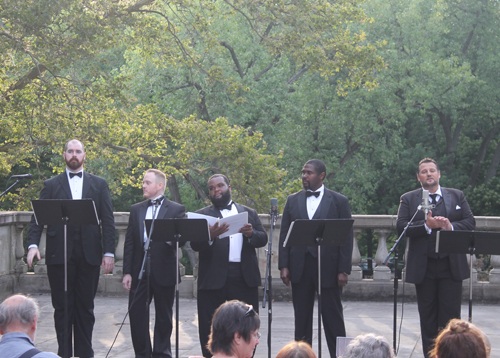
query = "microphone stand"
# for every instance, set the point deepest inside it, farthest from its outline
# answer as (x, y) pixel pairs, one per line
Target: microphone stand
(396, 256)
(10, 187)
(268, 282)
(146, 266)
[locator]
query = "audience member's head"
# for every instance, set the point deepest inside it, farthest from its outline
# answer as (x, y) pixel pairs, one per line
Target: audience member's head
(19, 313)
(296, 350)
(369, 346)
(461, 339)
(234, 331)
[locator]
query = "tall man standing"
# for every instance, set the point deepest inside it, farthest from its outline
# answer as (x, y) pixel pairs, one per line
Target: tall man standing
(228, 267)
(162, 277)
(299, 265)
(85, 246)
(437, 277)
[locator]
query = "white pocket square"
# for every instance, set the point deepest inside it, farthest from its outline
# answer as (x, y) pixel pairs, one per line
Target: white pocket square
(458, 207)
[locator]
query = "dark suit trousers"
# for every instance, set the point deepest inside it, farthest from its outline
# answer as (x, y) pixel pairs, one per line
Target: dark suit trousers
(139, 318)
(439, 299)
(209, 300)
(82, 287)
(303, 295)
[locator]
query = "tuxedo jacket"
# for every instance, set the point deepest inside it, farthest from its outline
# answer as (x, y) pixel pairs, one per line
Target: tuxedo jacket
(95, 238)
(214, 259)
(334, 259)
(460, 216)
(163, 259)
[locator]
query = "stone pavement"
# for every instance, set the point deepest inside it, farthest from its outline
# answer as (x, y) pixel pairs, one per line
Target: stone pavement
(360, 317)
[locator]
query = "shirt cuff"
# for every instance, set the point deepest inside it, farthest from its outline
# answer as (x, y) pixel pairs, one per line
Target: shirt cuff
(109, 254)
(33, 245)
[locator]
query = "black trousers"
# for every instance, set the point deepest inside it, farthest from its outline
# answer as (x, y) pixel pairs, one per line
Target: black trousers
(303, 296)
(209, 300)
(83, 280)
(439, 299)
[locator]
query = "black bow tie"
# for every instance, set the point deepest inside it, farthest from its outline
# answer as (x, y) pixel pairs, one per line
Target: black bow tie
(156, 201)
(227, 207)
(311, 193)
(71, 174)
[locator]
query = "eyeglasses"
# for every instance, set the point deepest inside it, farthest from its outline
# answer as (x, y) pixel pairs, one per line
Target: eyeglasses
(257, 335)
(249, 310)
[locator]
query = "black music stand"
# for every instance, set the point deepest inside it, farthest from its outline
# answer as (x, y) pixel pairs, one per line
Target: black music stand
(178, 230)
(468, 242)
(65, 212)
(319, 232)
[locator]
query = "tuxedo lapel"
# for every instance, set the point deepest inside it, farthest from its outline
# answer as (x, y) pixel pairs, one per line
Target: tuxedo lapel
(63, 182)
(163, 209)
(142, 217)
(324, 206)
(213, 211)
(87, 182)
(447, 200)
(302, 205)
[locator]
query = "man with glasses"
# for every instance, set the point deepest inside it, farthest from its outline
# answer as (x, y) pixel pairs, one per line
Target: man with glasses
(228, 267)
(85, 246)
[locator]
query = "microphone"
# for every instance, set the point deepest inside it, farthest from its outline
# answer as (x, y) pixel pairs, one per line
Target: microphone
(274, 208)
(22, 176)
(425, 203)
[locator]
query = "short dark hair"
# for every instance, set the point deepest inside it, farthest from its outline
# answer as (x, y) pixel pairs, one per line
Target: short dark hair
(427, 160)
(219, 176)
(231, 317)
(319, 166)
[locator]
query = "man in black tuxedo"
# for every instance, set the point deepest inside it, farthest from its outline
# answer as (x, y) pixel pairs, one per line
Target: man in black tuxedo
(299, 265)
(228, 267)
(162, 278)
(437, 277)
(85, 247)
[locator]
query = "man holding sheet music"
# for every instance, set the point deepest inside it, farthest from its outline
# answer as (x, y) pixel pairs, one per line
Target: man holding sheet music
(85, 245)
(299, 265)
(228, 267)
(162, 277)
(437, 276)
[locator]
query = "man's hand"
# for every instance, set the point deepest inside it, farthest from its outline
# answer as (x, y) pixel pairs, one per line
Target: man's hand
(285, 276)
(217, 230)
(31, 255)
(342, 279)
(127, 282)
(108, 263)
(438, 222)
(247, 230)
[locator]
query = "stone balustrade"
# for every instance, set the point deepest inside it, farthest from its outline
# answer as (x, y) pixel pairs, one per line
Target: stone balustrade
(14, 275)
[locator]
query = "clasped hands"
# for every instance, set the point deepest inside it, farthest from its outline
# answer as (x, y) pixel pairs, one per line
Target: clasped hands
(438, 222)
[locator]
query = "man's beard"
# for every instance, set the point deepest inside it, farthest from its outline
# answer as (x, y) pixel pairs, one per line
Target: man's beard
(73, 164)
(223, 200)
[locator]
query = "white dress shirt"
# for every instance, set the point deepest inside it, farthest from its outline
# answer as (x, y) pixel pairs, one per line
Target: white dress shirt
(235, 241)
(312, 202)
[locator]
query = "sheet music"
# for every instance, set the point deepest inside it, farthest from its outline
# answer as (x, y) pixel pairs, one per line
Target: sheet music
(235, 222)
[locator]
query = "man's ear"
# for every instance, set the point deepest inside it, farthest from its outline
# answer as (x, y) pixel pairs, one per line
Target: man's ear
(322, 176)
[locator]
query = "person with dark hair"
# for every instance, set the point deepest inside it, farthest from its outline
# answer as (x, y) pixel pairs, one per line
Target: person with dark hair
(18, 323)
(235, 331)
(162, 276)
(299, 265)
(461, 339)
(369, 346)
(85, 247)
(296, 349)
(437, 276)
(228, 267)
